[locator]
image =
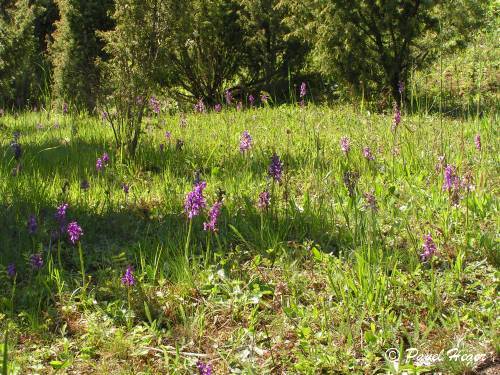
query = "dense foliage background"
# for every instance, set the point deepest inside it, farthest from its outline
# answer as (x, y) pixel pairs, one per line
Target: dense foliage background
(54, 51)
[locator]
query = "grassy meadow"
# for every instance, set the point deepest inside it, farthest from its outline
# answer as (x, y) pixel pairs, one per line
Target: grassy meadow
(329, 277)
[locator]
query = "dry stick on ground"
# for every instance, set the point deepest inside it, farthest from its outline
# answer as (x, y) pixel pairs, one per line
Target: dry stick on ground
(171, 350)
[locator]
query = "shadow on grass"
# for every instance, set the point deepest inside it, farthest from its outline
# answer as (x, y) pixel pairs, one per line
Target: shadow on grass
(57, 155)
(133, 229)
(113, 229)
(125, 232)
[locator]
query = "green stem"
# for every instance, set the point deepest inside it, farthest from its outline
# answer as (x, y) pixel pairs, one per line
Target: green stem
(82, 266)
(59, 255)
(467, 209)
(5, 360)
(129, 315)
(393, 156)
(12, 296)
(262, 227)
(207, 255)
(188, 239)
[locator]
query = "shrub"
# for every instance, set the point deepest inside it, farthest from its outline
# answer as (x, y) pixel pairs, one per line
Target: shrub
(17, 52)
(76, 48)
(131, 71)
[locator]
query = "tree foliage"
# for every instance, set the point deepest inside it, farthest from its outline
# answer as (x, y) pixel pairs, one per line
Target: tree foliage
(196, 49)
(45, 25)
(132, 71)
(269, 55)
(374, 44)
(205, 47)
(17, 52)
(76, 48)
(217, 44)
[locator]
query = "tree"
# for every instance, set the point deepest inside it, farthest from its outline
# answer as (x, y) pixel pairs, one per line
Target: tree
(44, 29)
(374, 43)
(131, 73)
(17, 52)
(76, 48)
(216, 44)
(269, 56)
(205, 47)
(45, 25)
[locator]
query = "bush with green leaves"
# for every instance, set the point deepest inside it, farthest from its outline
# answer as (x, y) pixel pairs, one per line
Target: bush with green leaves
(269, 56)
(468, 80)
(17, 52)
(215, 45)
(75, 49)
(372, 45)
(131, 72)
(205, 48)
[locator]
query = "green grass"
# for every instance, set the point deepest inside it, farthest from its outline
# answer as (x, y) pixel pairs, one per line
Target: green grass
(319, 283)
